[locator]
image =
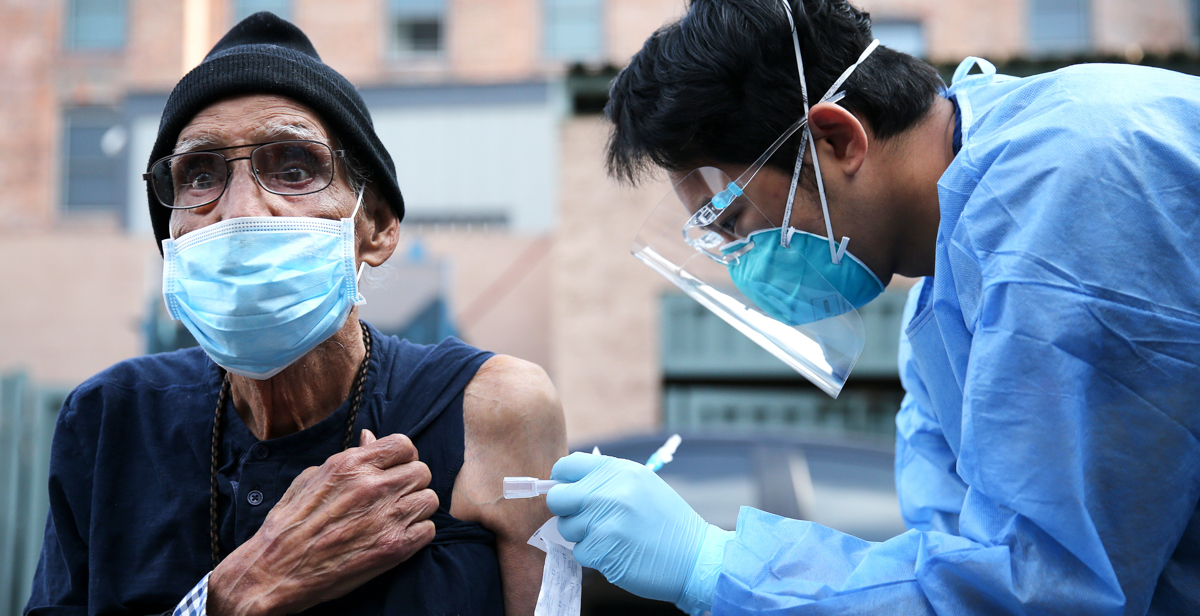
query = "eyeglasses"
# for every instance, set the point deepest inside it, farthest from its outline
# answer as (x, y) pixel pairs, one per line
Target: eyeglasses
(194, 179)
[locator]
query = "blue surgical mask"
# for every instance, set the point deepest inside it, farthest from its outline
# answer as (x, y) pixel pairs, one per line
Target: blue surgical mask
(258, 293)
(792, 284)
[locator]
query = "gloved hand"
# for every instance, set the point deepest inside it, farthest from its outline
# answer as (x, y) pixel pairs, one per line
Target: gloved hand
(632, 527)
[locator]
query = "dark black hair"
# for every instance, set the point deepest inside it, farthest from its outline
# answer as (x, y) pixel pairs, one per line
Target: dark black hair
(720, 85)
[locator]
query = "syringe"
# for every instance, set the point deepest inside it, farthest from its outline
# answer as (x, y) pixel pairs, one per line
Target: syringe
(665, 454)
(527, 487)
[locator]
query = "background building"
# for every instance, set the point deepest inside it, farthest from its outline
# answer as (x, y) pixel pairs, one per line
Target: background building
(515, 240)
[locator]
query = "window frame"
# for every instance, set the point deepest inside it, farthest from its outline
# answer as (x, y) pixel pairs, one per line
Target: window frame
(392, 38)
(1052, 47)
(70, 35)
(235, 10)
(93, 117)
(554, 55)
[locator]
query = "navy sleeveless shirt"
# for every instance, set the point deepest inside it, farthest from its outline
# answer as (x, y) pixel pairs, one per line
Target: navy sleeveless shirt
(128, 526)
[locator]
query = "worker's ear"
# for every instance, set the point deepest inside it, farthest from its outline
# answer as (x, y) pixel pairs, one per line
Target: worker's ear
(378, 229)
(838, 133)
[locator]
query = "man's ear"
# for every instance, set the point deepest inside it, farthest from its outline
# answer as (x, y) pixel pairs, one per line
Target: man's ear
(379, 233)
(837, 129)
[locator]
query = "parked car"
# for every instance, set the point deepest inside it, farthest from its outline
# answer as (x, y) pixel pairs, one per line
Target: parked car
(846, 485)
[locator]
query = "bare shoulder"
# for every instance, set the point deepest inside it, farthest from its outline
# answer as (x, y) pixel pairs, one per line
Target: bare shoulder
(513, 424)
(506, 390)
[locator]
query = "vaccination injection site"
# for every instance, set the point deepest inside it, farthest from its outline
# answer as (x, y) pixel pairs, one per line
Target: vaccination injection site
(600, 307)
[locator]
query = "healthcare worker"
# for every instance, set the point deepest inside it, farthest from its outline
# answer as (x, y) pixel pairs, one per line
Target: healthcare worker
(1048, 447)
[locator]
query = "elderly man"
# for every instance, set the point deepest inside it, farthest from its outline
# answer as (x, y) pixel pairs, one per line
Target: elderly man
(225, 480)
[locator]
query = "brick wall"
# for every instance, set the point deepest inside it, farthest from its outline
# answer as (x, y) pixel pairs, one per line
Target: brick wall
(494, 40)
(28, 141)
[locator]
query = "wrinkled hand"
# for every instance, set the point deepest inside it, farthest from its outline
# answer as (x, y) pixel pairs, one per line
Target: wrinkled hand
(362, 512)
(627, 523)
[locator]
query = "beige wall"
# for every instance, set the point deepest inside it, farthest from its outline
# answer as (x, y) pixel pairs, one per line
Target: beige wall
(154, 50)
(953, 30)
(72, 303)
(1155, 26)
(499, 290)
(605, 302)
(494, 40)
(628, 23)
(348, 34)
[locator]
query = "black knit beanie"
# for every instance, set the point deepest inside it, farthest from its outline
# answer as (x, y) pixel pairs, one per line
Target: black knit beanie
(267, 55)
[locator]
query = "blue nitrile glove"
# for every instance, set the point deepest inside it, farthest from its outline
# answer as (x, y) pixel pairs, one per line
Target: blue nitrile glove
(632, 527)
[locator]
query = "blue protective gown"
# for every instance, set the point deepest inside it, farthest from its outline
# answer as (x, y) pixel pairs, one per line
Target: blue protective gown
(1047, 459)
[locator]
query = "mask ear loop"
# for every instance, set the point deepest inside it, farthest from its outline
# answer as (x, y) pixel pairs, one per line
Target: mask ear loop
(832, 95)
(835, 252)
(785, 238)
(363, 265)
(358, 204)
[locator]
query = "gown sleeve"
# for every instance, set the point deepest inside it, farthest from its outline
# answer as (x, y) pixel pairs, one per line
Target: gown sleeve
(1080, 487)
(928, 486)
(1080, 435)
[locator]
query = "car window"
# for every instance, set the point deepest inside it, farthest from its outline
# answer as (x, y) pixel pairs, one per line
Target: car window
(854, 495)
(715, 483)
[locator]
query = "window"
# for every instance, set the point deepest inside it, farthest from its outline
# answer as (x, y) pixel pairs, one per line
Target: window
(93, 160)
(1196, 22)
(1059, 27)
(901, 35)
(573, 29)
(245, 8)
(417, 26)
(95, 24)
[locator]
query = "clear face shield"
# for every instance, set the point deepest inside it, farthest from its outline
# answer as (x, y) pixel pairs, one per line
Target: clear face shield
(791, 292)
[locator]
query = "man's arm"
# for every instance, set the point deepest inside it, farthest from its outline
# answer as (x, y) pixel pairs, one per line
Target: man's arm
(514, 427)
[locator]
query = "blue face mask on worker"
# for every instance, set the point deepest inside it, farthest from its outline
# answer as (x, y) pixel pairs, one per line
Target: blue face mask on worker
(787, 280)
(786, 272)
(258, 293)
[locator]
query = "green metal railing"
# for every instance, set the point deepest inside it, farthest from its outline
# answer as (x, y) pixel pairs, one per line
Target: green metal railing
(27, 416)
(697, 345)
(716, 379)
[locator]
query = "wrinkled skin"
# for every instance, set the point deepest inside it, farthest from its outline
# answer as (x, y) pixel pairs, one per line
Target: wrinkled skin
(362, 512)
(365, 510)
